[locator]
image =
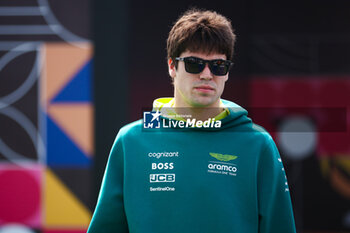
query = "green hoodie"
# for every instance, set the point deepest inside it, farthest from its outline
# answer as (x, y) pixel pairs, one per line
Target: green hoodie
(208, 180)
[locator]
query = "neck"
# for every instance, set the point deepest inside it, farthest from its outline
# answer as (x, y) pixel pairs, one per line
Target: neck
(199, 113)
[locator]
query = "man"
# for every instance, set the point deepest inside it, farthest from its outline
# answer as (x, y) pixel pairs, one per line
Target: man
(198, 164)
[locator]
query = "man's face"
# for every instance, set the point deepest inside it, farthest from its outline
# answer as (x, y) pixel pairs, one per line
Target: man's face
(197, 90)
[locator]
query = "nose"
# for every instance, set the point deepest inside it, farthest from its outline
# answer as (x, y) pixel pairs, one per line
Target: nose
(206, 73)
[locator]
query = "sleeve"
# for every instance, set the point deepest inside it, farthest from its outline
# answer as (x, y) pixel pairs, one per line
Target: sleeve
(109, 215)
(274, 203)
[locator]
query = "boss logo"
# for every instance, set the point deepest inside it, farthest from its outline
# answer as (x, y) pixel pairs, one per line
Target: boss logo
(161, 166)
(153, 178)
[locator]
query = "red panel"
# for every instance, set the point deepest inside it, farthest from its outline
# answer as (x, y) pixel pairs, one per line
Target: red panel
(20, 196)
(322, 93)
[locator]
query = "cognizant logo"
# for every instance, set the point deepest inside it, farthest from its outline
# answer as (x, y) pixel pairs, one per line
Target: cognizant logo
(163, 154)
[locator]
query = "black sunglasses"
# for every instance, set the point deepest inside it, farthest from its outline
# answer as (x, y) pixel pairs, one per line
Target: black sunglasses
(195, 65)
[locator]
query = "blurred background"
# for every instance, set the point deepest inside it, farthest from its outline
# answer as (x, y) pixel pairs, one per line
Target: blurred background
(73, 72)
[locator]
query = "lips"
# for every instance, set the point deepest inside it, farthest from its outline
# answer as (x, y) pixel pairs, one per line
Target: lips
(204, 88)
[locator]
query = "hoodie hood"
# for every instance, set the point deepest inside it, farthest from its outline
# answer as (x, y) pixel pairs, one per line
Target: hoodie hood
(234, 116)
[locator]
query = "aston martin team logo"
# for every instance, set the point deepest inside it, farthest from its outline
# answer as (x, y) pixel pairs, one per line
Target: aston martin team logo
(222, 157)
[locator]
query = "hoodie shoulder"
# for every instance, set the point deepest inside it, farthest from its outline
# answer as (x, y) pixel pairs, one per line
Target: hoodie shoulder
(263, 134)
(239, 120)
(131, 128)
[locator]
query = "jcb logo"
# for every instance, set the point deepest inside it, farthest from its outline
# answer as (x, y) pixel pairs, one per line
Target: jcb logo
(161, 178)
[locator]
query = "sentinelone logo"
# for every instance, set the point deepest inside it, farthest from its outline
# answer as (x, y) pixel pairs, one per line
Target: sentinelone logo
(152, 120)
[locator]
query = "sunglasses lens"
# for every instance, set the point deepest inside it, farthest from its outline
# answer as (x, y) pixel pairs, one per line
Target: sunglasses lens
(193, 65)
(219, 67)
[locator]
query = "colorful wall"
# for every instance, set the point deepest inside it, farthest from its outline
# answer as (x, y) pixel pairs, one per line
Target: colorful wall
(291, 69)
(46, 117)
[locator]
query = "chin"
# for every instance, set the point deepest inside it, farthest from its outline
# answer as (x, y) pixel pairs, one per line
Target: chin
(203, 103)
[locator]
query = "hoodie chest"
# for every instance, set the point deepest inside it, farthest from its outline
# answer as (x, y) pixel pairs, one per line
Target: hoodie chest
(197, 159)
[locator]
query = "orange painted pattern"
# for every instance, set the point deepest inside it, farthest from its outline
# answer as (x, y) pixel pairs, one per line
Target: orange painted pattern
(76, 120)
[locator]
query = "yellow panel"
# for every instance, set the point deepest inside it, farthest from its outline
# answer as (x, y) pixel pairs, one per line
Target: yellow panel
(76, 120)
(62, 208)
(340, 182)
(344, 161)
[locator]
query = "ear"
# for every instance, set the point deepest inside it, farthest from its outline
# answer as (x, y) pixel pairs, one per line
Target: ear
(226, 78)
(171, 68)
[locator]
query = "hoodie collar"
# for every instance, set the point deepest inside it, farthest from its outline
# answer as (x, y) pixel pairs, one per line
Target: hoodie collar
(166, 106)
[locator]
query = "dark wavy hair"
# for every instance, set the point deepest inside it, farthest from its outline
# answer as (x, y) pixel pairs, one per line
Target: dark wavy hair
(201, 31)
